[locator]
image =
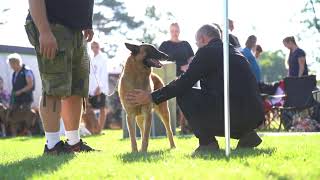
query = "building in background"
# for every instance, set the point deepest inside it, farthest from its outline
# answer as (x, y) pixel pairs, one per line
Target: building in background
(29, 58)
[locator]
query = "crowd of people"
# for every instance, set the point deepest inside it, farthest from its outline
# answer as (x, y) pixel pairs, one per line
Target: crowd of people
(69, 83)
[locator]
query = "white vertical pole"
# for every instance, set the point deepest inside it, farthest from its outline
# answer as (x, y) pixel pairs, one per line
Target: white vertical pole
(226, 77)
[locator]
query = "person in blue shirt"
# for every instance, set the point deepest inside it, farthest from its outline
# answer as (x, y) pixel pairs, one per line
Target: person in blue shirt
(247, 52)
(297, 58)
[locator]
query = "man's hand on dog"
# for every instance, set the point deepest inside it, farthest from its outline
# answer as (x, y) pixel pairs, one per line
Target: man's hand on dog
(138, 97)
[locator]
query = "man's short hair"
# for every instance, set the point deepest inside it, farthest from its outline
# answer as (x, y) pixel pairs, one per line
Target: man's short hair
(211, 31)
(14, 57)
(251, 40)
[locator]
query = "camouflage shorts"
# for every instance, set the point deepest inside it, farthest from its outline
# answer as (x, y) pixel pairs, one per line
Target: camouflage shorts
(68, 73)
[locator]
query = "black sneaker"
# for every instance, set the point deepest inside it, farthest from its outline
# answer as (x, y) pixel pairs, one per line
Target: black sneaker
(58, 149)
(249, 140)
(204, 149)
(79, 147)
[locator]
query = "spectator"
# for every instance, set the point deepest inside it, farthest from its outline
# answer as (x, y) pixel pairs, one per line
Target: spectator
(248, 53)
(232, 38)
(4, 95)
(22, 84)
(258, 51)
(180, 52)
(297, 58)
(98, 83)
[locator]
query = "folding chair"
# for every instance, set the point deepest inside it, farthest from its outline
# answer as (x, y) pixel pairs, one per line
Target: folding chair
(298, 98)
(272, 104)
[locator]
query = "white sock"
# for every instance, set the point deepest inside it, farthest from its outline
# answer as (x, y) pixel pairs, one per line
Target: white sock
(73, 137)
(52, 139)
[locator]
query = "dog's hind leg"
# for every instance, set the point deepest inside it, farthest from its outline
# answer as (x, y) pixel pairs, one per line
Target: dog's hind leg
(139, 120)
(147, 127)
(163, 112)
(132, 132)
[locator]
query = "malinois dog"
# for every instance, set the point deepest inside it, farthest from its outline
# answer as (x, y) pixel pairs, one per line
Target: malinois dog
(137, 74)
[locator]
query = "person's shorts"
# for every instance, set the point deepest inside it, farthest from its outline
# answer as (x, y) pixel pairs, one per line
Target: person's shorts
(98, 101)
(68, 73)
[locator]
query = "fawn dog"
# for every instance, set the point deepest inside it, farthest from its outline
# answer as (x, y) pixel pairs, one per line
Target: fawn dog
(138, 75)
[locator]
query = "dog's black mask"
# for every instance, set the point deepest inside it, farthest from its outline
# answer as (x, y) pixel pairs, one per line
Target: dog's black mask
(153, 55)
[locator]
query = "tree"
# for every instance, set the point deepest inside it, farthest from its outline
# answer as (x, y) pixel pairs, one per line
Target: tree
(272, 66)
(310, 15)
(112, 18)
(151, 28)
(312, 20)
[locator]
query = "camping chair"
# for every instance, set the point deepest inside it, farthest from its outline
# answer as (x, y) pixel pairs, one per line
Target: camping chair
(298, 98)
(272, 104)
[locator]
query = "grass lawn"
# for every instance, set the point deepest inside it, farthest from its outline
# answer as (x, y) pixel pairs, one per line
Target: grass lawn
(278, 157)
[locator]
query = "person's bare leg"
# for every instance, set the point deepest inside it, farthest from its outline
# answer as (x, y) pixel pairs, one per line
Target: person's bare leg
(102, 118)
(50, 116)
(71, 115)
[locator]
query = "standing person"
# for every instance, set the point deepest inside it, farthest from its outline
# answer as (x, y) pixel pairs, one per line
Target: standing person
(258, 51)
(98, 83)
(232, 38)
(204, 107)
(59, 31)
(4, 95)
(248, 53)
(297, 58)
(22, 84)
(180, 52)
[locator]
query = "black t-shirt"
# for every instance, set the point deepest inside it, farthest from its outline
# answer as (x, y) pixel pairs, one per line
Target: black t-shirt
(294, 63)
(74, 14)
(178, 52)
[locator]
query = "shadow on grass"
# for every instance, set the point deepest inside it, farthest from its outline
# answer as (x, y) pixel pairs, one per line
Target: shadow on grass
(151, 156)
(22, 138)
(239, 153)
(278, 176)
(26, 168)
(185, 136)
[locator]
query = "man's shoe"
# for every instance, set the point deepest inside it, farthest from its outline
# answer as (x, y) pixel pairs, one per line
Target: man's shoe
(249, 140)
(212, 147)
(58, 149)
(79, 147)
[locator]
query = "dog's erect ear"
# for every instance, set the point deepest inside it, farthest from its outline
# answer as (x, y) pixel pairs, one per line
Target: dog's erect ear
(133, 48)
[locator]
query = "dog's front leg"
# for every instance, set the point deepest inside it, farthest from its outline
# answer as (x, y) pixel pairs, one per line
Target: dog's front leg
(146, 134)
(132, 132)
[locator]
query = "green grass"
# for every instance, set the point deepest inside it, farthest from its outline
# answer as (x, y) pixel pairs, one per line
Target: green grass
(291, 157)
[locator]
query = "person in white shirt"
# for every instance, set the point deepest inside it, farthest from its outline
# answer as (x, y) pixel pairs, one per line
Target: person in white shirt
(98, 83)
